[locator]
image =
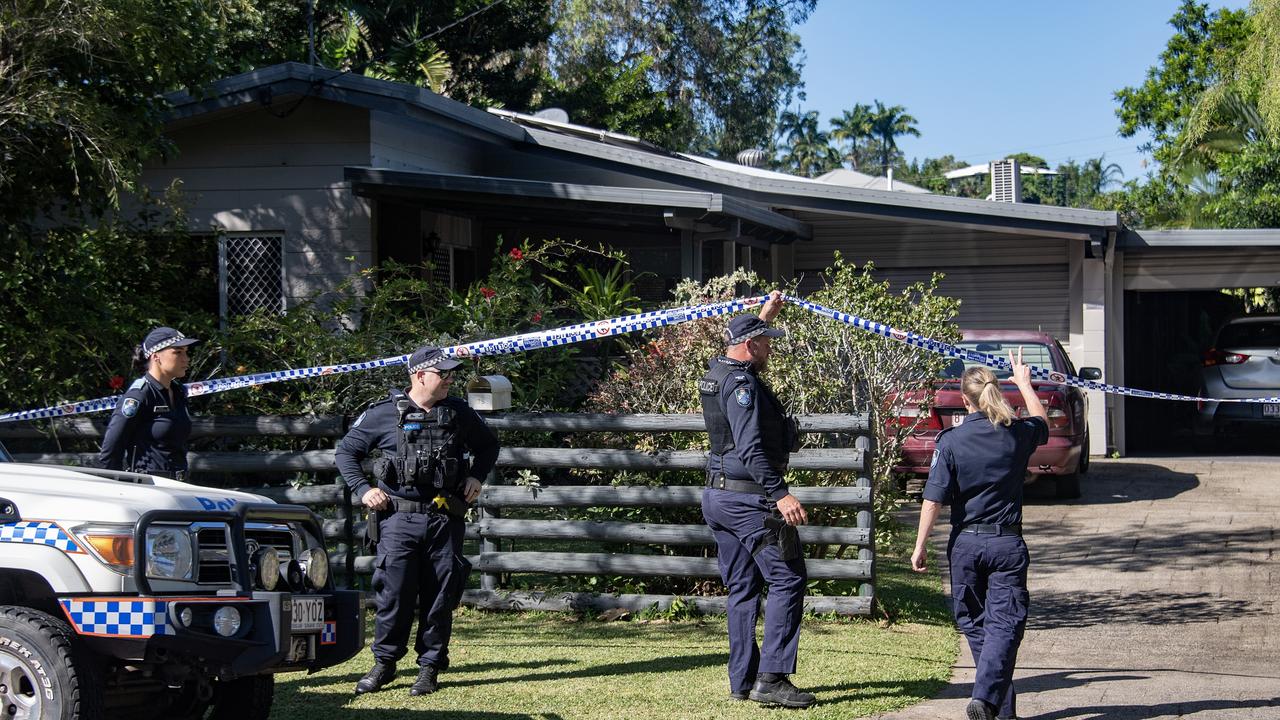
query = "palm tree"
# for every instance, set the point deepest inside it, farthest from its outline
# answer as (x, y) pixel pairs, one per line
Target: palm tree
(1101, 176)
(808, 150)
(887, 124)
(853, 126)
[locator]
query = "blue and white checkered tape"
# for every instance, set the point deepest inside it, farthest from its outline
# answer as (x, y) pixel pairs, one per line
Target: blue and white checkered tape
(329, 633)
(38, 532)
(125, 617)
(583, 332)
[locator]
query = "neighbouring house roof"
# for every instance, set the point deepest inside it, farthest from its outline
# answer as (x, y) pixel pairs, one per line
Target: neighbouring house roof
(855, 179)
(985, 169)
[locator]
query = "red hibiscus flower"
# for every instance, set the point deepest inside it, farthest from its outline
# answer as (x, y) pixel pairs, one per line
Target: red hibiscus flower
(537, 317)
(116, 382)
(516, 253)
(488, 293)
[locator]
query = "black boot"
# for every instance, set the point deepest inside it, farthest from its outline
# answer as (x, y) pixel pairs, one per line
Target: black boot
(381, 674)
(979, 710)
(426, 682)
(773, 689)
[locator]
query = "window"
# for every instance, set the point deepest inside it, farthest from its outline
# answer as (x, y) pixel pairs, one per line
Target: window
(250, 274)
(1032, 354)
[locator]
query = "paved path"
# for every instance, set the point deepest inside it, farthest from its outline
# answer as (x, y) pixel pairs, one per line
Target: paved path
(1153, 596)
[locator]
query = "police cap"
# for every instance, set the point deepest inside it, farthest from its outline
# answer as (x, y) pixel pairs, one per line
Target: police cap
(430, 357)
(163, 338)
(744, 327)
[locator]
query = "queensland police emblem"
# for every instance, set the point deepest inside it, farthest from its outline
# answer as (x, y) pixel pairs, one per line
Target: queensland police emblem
(129, 408)
(743, 396)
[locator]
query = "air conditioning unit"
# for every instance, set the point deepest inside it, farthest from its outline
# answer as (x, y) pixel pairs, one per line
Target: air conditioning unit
(1006, 181)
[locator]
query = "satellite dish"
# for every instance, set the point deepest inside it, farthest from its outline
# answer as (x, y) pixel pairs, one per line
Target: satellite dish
(553, 114)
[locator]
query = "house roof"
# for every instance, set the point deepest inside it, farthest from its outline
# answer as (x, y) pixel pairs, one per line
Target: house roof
(1139, 240)
(620, 152)
(512, 191)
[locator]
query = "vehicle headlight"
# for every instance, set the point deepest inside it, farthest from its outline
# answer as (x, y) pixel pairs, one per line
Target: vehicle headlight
(267, 565)
(226, 621)
(168, 553)
(317, 561)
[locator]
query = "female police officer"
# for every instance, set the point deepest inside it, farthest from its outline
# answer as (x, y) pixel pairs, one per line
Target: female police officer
(979, 467)
(149, 428)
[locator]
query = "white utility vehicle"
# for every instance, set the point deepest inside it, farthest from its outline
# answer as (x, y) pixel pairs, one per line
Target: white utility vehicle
(131, 596)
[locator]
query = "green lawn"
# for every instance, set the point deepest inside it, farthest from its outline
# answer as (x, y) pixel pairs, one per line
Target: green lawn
(553, 666)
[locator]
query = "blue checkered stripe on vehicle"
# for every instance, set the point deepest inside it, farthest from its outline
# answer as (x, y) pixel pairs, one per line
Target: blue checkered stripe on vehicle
(38, 533)
(118, 618)
(329, 633)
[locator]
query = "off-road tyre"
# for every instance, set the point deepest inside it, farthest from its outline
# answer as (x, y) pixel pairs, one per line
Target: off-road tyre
(48, 674)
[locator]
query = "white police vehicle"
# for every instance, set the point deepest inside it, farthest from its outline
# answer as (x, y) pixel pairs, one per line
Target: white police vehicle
(126, 595)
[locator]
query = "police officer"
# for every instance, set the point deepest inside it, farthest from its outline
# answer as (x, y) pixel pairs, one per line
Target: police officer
(149, 427)
(979, 468)
(752, 513)
(425, 485)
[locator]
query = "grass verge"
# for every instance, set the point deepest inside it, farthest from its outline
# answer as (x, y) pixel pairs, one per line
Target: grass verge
(563, 667)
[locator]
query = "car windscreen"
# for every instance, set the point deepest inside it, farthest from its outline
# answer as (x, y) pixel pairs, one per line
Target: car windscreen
(1257, 334)
(1032, 354)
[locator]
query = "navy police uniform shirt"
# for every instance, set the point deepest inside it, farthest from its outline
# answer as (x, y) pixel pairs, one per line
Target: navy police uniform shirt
(752, 410)
(148, 429)
(979, 467)
(376, 429)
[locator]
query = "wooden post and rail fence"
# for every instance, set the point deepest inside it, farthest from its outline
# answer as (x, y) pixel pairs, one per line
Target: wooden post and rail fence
(343, 527)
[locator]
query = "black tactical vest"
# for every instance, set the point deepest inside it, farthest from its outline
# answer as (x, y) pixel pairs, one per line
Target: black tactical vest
(429, 453)
(776, 430)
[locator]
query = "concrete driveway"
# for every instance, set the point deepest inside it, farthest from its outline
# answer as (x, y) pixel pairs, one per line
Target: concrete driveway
(1152, 596)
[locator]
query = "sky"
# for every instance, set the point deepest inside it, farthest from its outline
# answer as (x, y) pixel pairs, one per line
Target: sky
(987, 78)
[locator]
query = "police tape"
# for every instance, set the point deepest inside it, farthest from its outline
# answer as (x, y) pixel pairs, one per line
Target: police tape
(998, 362)
(500, 346)
(598, 329)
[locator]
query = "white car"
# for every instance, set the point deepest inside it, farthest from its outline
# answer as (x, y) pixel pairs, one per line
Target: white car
(1244, 362)
(126, 595)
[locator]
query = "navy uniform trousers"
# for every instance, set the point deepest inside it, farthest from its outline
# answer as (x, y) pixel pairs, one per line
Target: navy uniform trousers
(416, 566)
(990, 601)
(737, 521)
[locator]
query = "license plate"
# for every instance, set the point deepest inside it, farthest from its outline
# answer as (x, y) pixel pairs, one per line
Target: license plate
(308, 614)
(1271, 410)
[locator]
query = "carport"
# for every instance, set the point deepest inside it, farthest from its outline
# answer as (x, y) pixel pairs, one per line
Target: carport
(1170, 306)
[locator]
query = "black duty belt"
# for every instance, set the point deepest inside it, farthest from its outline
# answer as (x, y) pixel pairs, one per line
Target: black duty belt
(985, 529)
(720, 482)
(422, 507)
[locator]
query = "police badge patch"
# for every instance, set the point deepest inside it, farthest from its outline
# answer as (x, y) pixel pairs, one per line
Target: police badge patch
(934, 460)
(129, 408)
(359, 420)
(743, 396)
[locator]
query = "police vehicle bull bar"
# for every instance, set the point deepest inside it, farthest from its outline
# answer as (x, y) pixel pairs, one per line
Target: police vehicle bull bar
(237, 549)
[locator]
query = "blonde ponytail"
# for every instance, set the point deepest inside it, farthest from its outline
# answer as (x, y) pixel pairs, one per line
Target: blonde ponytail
(981, 388)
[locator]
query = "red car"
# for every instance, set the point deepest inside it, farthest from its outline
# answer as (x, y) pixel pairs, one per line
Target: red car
(1065, 456)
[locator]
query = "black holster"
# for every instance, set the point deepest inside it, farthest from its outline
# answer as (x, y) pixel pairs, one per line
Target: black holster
(381, 469)
(371, 529)
(785, 537)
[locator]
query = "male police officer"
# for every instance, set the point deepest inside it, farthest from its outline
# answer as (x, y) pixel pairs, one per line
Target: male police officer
(752, 513)
(425, 486)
